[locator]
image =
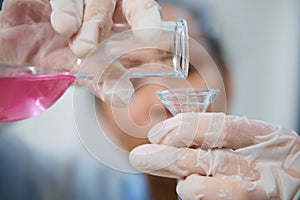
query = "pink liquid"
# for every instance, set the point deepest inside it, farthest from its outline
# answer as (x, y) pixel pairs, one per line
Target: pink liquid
(27, 96)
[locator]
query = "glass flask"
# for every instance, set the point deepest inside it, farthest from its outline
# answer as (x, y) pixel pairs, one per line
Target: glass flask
(26, 91)
(165, 52)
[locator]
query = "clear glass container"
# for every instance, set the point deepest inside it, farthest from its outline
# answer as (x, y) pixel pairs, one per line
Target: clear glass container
(182, 100)
(26, 91)
(165, 52)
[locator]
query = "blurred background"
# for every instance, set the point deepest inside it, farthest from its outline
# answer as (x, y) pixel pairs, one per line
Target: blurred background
(261, 41)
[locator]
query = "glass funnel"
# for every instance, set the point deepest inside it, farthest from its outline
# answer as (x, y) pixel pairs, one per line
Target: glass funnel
(181, 100)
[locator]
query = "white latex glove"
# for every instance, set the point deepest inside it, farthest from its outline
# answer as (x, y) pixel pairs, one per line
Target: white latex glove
(87, 22)
(223, 157)
(28, 38)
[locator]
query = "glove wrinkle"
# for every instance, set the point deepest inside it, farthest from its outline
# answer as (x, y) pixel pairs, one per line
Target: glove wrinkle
(67, 16)
(241, 157)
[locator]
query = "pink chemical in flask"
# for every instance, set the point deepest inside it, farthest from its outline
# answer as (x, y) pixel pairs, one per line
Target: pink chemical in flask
(26, 92)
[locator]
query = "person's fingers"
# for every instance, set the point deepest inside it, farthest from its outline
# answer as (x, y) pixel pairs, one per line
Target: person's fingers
(97, 22)
(66, 16)
(114, 87)
(180, 162)
(199, 187)
(262, 166)
(30, 19)
(183, 130)
(118, 91)
(158, 160)
(210, 130)
(142, 14)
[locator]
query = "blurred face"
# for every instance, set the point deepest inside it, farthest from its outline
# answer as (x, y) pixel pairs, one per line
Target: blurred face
(128, 127)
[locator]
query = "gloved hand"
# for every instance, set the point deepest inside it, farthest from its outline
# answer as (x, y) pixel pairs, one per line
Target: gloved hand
(223, 157)
(28, 38)
(86, 23)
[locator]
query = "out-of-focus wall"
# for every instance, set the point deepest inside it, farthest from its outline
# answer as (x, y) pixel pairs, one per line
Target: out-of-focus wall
(261, 39)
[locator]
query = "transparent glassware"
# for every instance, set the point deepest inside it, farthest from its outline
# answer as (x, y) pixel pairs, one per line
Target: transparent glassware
(182, 100)
(26, 91)
(165, 52)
